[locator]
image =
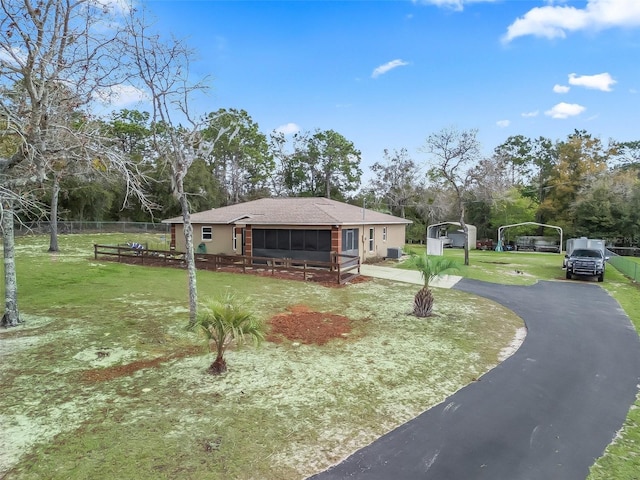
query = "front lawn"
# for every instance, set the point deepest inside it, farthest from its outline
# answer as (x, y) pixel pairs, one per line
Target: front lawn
(103, 380)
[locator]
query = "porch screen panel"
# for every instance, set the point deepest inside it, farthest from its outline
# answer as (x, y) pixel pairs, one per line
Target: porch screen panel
(297, 239)
(284, 242)
(271, 239)
(311, 240)
(258, 238)
(324, 240)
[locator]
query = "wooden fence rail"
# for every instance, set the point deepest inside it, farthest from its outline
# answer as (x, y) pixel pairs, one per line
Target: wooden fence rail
(343, 267)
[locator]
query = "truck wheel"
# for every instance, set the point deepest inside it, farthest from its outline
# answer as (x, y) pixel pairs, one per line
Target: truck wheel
(568, 275)
(601, 277)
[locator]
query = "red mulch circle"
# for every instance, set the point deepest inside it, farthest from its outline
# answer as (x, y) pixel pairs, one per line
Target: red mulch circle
(300, 324)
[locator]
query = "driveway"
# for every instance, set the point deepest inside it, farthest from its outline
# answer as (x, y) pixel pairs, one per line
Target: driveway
(406, 276)
(547, 412)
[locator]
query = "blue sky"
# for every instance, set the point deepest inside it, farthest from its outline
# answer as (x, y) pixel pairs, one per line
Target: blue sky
(386, 74)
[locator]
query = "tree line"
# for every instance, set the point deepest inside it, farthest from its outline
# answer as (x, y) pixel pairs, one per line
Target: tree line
(579, 183)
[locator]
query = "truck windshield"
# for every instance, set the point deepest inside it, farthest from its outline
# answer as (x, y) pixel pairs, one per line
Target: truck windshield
(586, 253)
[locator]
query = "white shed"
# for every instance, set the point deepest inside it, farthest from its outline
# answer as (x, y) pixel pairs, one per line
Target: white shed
(449, 234)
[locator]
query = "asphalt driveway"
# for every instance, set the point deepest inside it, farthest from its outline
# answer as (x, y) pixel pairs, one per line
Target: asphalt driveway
(547, 412)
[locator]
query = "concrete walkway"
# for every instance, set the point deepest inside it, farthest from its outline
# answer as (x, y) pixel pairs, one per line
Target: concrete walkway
(547, 412)
(407, 276)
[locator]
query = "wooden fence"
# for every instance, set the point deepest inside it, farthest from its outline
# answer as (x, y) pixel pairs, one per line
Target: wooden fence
(341, 267)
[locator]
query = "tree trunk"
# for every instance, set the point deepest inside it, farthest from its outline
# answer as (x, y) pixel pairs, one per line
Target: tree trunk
(218, 366)
(53, 220)
(465, 229)
(327, 184)
(423, 303)
(11, 317)
(189, 258)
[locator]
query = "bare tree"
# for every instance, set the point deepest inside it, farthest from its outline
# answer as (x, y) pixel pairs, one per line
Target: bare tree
(452, 153)
(55, 56)
(396, 180)
(163, 68)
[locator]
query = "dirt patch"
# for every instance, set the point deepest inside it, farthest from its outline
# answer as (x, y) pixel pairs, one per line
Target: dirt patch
(300, 324)
(116, 371)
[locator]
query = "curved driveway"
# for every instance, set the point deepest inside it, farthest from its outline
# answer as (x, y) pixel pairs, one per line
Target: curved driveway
(547, 412)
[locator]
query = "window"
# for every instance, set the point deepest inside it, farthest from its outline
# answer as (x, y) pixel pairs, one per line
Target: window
(234, 239)
(371, 240)
(207, 234)
(384, 234)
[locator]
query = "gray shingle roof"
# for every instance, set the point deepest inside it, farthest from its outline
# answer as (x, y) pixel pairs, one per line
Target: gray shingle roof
(292, 211)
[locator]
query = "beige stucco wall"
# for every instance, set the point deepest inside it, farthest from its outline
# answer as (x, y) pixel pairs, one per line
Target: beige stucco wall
(395, 238)
(221, 242)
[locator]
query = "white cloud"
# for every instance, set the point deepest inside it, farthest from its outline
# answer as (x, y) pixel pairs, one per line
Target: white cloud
(601, 81)
(116, 6)
(12, 56)
(561, 88)
(565, 110)
(530, 114)
(288, 128)
(457, 5)
(554, 21)
(503, 123)
(121, 95)
(382, 69)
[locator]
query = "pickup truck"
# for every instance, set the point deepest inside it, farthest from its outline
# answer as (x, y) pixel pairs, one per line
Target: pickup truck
(586, 262)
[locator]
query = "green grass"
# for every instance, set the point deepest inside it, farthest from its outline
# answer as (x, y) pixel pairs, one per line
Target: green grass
(512, 268)
(621, 460)
(282, 411)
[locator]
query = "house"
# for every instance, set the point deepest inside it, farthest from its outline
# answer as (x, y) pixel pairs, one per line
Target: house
(296, 228)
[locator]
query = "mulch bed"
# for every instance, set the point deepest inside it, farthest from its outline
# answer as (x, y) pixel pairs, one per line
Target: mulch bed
(301, 324)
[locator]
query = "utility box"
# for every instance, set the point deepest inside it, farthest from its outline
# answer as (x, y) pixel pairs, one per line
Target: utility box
(395, 253)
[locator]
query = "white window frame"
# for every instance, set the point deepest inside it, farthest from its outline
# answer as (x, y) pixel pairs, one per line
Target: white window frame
(207, 237)
(384, 234)
(234, 239)
(372, 233)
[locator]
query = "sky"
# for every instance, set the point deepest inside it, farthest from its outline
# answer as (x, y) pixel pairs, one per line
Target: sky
(387, 74)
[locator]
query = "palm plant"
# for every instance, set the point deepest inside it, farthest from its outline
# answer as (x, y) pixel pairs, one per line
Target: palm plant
(429, 268)
(223, 320)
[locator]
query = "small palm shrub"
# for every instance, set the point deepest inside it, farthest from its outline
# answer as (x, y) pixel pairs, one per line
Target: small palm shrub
(221, 321)
(429, 267)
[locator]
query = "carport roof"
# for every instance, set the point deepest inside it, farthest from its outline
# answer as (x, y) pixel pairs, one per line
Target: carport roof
(291, 211)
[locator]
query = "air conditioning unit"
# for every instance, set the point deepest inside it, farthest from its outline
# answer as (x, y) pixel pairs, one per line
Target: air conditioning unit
(394, 253)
